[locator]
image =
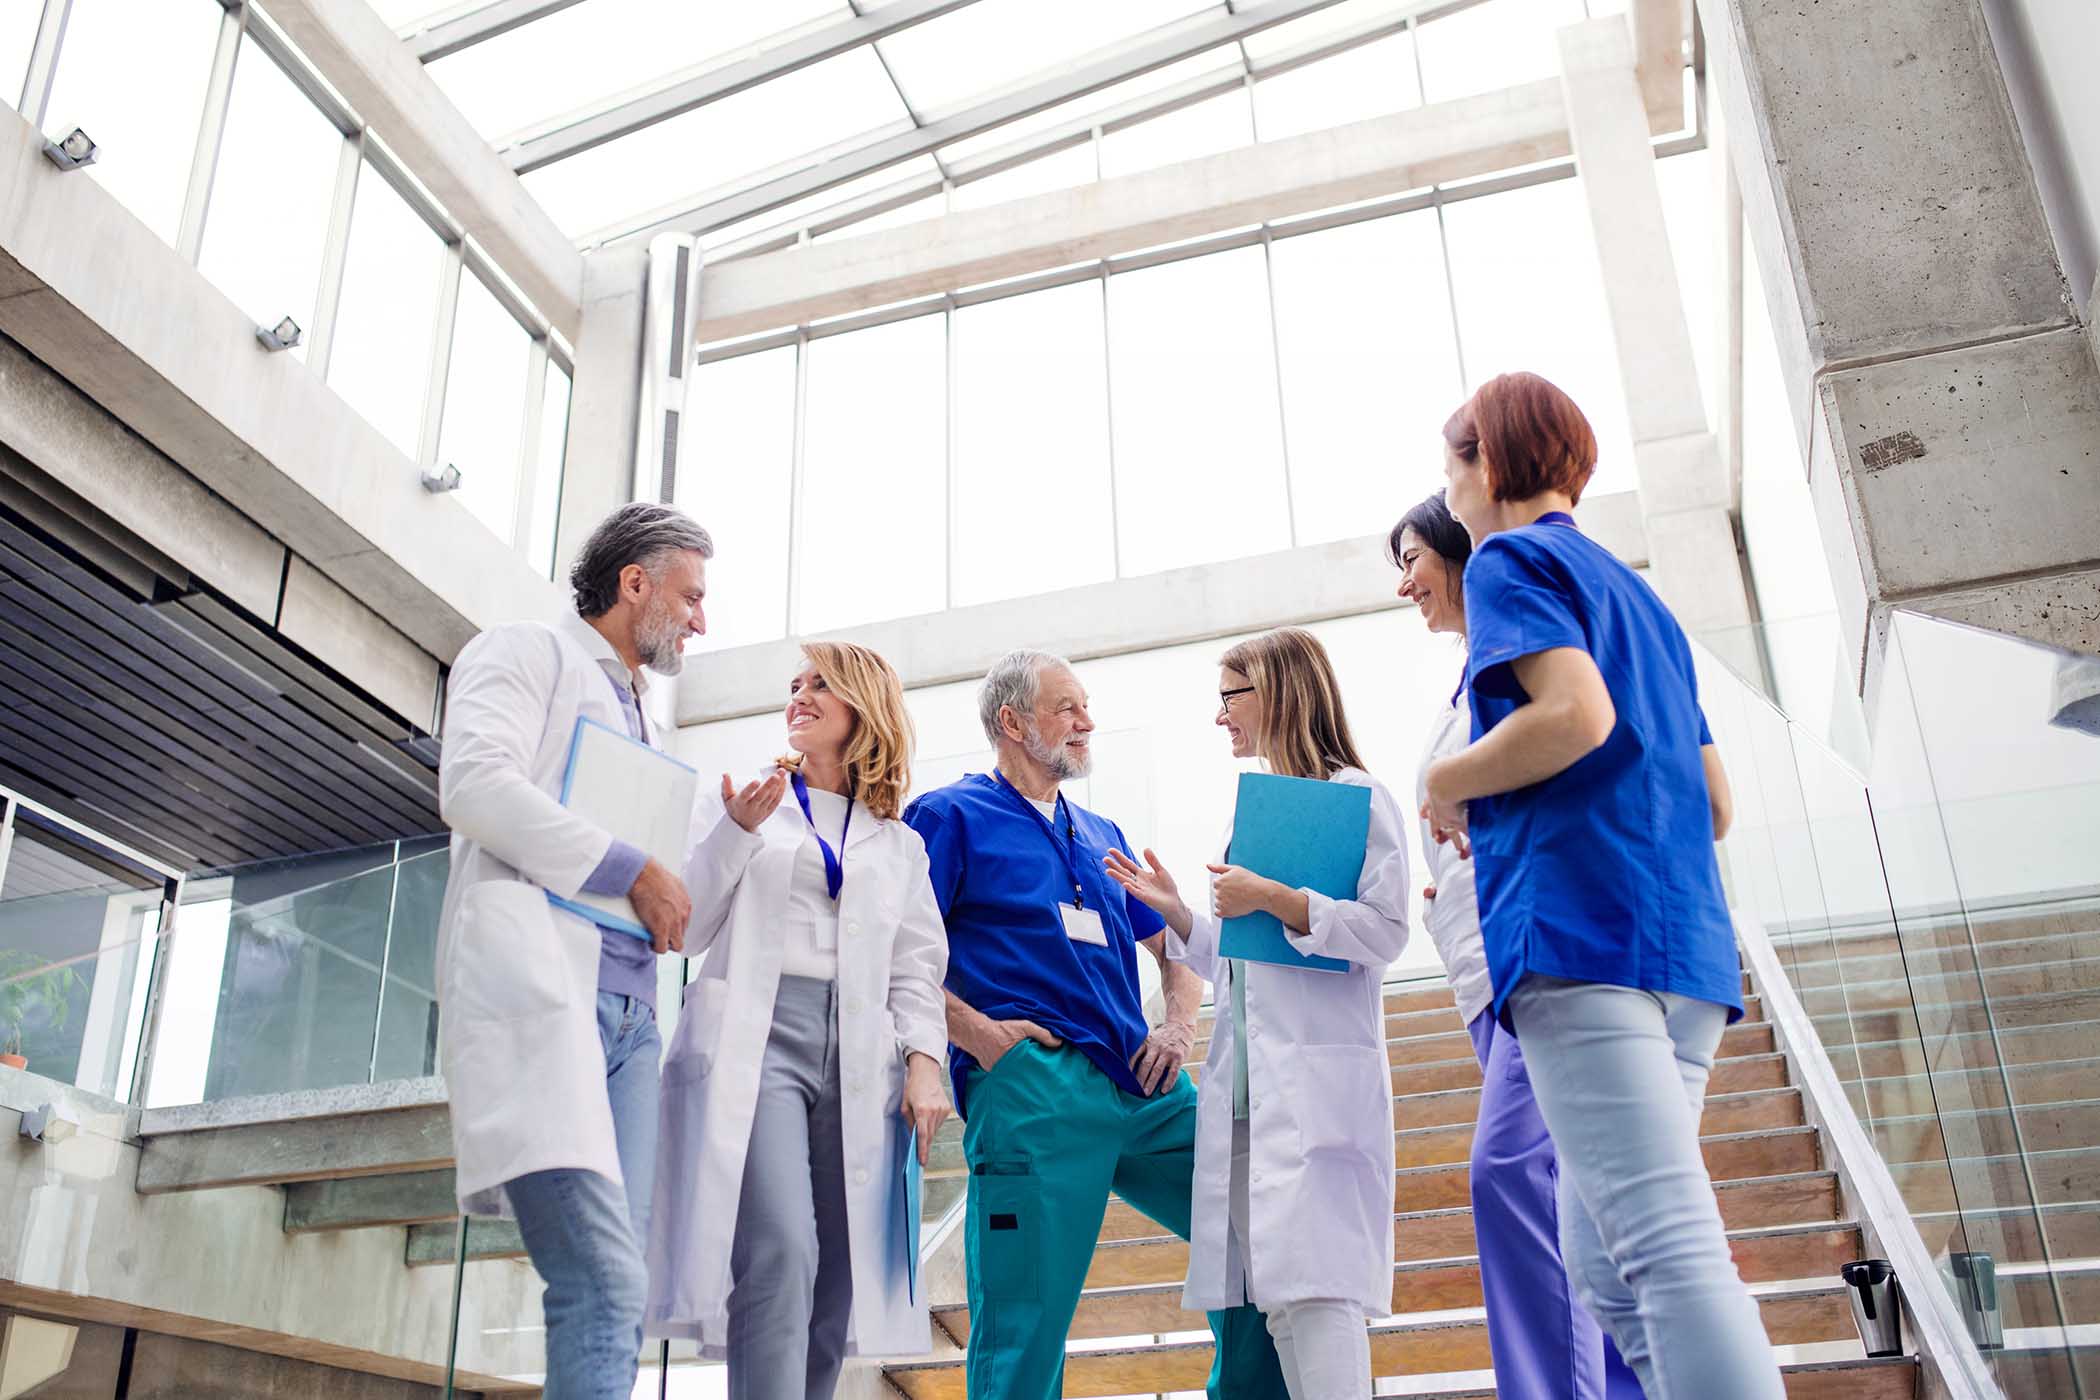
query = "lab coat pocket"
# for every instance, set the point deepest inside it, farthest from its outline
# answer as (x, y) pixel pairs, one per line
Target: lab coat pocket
(1340, 1089)
(699, 1033)
(507, 961)
(1006, 1203)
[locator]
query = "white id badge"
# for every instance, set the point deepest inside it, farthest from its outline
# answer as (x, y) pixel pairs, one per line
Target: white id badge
(1083, 926)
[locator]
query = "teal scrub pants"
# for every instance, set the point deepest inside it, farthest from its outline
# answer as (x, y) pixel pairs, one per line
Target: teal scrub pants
(1047, 1138)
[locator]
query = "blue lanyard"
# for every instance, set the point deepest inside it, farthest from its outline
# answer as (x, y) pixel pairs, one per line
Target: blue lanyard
(1064, 851)
(834, 871)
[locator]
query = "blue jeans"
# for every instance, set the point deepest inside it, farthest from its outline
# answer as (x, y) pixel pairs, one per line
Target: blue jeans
(1620, 1077)
(585, 1236)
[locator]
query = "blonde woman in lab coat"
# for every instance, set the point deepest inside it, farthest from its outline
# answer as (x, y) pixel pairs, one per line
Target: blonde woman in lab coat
(1293, 1198)
(808, 1058)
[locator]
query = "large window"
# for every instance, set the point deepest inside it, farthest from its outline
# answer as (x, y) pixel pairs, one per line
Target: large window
(133, 74)
(18, 25)
(485, 405)
(267, 226)
(547, 476)
(733, 477)
(380, 362)
(1031, 444)
(1198, 434)
(874, 526)
(1370, 370)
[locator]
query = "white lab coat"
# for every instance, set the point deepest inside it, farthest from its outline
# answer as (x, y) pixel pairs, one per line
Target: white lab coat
(1320, 1100)
(892, 957)
(517, 977)
(1453, 917)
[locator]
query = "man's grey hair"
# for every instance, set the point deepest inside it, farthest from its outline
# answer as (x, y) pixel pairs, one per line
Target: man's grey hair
(1015, 679)
(641, 532)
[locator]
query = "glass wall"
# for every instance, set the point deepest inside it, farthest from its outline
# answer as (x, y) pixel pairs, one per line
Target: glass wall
(1249, 393)
(1938, 915)
(213, 131)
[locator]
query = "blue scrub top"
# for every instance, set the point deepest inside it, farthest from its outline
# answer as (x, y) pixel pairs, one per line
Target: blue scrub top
(1000, 871)
(1606, 871)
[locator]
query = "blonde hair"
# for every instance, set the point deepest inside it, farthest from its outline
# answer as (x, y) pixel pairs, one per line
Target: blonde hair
(877, 755)
(1304, 733)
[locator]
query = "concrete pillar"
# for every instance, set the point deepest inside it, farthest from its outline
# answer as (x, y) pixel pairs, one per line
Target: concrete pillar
(1947, 398)
(1685, 491)
(671, 309)
(605, 407)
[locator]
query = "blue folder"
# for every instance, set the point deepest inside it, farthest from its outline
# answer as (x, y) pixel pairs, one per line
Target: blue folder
(905, 1207)
(1303, 833)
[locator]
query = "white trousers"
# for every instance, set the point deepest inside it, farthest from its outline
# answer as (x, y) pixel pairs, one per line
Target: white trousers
(1322, 1343)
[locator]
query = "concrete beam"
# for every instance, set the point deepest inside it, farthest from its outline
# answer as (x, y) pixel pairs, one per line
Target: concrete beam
(441, 36)
(1273, 180)
(1307, 584)
(77, 443)
(486, 1239)
(321, 615)
(360, 1203)
(606, 398)
(1946, 397)
(377, 74)
(401, 1125)
(96, 297)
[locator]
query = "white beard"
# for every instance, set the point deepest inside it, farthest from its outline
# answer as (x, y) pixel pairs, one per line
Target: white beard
(1061, 761)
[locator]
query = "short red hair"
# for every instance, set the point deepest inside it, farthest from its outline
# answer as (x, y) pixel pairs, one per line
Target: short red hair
(1528, 434)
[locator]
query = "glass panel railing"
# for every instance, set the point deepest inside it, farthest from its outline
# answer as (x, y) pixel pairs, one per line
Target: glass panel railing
(305, 973)
(1934, 899)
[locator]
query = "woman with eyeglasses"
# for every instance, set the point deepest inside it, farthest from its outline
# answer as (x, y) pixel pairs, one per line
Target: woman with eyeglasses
(1543, 1341)
(1293, 1194)
(1591, 797)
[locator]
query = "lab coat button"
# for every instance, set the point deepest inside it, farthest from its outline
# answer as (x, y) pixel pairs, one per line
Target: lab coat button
(860, 1178)
(853, 926)
(853, 1007)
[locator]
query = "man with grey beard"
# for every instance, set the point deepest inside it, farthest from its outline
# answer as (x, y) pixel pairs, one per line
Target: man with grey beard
(1066, 1093)
(549, 1039)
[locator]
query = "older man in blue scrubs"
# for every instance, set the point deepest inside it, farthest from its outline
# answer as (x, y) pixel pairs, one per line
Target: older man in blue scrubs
(1066, 1093)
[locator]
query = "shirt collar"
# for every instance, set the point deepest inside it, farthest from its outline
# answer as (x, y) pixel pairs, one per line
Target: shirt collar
(601, 651)
(1555, 517)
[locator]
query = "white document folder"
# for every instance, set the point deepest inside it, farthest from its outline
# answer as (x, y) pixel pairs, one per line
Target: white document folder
(641, 795)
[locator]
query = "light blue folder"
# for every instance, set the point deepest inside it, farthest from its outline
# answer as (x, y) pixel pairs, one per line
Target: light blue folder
(640, 794)
(905, 1206)
(1305, 834)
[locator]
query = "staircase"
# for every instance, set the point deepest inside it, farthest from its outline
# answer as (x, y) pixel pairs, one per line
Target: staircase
(1130, 1335)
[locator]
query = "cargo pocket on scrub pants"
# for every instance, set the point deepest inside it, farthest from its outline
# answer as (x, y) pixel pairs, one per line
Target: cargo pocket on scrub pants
(1005, 1209)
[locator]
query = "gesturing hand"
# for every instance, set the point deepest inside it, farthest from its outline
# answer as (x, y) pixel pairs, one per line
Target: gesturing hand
(1151, 883)
(750, 807)
(1237, 891)
(660, 901)
(1160, 1058)
(925, 1105)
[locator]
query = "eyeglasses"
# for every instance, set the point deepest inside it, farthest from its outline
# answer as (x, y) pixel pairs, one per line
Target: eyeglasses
(1225, 696)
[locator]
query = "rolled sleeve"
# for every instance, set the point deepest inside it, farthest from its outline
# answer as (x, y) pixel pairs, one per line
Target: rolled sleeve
(616, 873)
(1516, 606)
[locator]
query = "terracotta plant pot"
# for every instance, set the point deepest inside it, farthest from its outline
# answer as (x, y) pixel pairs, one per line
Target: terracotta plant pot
(15, 1061)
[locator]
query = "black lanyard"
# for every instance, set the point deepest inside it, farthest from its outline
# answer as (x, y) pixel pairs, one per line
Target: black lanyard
(1050, 833)
(834, 867)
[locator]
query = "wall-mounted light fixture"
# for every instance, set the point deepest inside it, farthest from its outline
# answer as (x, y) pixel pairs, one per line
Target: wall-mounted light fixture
(282, 336)
(53, 1123)
(438, 480)
(72, 151)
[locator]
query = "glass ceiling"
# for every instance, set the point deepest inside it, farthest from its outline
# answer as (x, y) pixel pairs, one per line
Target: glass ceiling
(584, 98)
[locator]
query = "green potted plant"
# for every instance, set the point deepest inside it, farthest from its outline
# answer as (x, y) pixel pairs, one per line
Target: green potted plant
(24, 991)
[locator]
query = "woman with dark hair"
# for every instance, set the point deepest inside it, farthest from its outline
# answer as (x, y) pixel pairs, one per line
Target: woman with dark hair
(1544, 1343)
(1591, 797)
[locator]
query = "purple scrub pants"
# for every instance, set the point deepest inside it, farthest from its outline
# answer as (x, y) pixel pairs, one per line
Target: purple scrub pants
(1545, 1344)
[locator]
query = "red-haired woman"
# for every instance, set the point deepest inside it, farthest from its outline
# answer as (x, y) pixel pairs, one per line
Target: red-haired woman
(1592, 799)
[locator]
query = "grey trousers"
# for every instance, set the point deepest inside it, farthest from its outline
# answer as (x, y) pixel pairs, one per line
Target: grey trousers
(790, 1280)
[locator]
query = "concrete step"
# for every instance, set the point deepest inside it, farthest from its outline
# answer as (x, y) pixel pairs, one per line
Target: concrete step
(2016, 1234)
(2016, 1045)
(1957, 1090)
(1426, 1349)
(1997, 1132)
(1934, 989)
(1809, 1198)
(395, 1126)
(1948, 928)
(1448, 1286)
(1964, 1018)
(1828, 965)
(1979, 1183)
